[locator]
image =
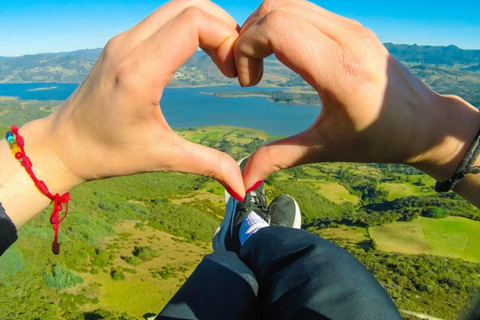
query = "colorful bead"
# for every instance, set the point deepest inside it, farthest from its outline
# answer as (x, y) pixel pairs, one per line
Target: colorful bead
(12, 144)
(18, 155)
(9, 134)
(10, 140)
(16, 150)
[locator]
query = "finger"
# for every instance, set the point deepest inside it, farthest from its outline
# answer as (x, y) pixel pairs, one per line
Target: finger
(158, 58)
(279, 155)
(307, 10)
(169, 11)
(296, 43)
(197, 159)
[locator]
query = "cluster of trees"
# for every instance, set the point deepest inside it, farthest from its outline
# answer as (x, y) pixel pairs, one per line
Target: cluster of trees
(433, 206)
(437, 286)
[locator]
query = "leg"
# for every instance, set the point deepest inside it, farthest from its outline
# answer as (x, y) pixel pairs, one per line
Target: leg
(302, 276)
(221, 287)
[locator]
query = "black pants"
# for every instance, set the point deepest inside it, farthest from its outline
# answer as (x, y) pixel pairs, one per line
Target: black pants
(281, 273)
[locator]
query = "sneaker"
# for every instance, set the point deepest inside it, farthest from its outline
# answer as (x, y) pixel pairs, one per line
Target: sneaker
(284, 211)
(226, 237)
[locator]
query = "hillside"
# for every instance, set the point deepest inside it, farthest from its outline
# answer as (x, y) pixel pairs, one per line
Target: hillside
(438, 55)
(449, 70)
(49, 67)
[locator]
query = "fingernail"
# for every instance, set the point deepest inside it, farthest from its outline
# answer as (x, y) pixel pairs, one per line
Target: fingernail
(255, 186)
(234, 194)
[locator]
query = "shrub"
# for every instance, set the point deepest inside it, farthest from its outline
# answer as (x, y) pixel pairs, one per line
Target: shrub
(117, 275)
(134, 261)
(145, 253)
(436, 212)
(61, 277)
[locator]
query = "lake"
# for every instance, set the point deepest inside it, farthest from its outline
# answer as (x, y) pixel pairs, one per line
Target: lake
(194, 107)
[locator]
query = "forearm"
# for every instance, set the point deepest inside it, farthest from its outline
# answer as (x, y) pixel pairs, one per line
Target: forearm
(18, 193)
(452, 126)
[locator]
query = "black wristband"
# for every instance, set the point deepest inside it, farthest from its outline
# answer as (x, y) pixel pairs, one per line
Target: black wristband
(8, 231)
(463, 169)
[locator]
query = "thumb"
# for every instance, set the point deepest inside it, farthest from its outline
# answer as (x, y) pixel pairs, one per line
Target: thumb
(201, 160)
(278, 155)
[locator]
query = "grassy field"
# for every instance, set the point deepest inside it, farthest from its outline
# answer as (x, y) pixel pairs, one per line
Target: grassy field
(140, 292)
(355, 234)
(450, 237)
(405, 189)
(241, 135)
(335, 192)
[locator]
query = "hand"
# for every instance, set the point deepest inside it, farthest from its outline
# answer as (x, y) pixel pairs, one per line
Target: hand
(113, 125)
(374, 109)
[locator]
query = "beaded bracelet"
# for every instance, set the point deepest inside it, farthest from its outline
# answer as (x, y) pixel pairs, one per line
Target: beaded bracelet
(16, 144)
(466, 166)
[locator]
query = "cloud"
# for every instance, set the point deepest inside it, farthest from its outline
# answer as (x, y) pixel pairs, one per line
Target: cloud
(101, 34)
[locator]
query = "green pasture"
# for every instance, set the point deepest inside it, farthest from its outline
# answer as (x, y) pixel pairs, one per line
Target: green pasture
(452, 237)
(241, 135)
(335, 192)
(405, 189)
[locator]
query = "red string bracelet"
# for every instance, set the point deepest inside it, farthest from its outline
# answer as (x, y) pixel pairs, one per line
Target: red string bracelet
(16, 143)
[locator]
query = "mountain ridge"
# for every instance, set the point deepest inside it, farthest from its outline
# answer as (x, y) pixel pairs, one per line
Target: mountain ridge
(74, 66)
(446, 69)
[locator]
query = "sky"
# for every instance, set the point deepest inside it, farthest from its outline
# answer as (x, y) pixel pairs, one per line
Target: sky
(37, 26)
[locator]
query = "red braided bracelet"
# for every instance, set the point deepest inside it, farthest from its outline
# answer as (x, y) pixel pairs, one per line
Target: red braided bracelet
(16, 143)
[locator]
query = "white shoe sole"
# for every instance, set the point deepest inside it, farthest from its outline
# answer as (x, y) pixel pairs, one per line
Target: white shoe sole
(298, 216)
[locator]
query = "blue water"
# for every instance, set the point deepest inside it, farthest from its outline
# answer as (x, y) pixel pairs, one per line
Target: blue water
(193, 107)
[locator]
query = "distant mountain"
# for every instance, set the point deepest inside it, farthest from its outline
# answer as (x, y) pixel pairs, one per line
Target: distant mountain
(446, 69)
(49, 67)
(199, 70)
(450, 55)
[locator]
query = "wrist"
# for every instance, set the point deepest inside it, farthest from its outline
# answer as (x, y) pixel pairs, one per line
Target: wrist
(17, 186)
(450, 129)
(41, 147)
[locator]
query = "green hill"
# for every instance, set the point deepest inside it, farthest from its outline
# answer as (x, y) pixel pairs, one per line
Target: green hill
(450, 237)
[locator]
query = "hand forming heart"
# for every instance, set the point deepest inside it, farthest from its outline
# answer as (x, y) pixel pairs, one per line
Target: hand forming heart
(113, 125)
(374, 110)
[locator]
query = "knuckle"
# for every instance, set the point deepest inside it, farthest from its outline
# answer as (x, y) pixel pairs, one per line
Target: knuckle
(267, 6)
(365, 34)
(353, 22)
(113, 45)
(192, 3)
(192, 14)
(275, 19)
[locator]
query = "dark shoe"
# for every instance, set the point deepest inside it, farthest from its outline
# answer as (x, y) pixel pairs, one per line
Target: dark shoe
(226, 238)
(284, 211)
